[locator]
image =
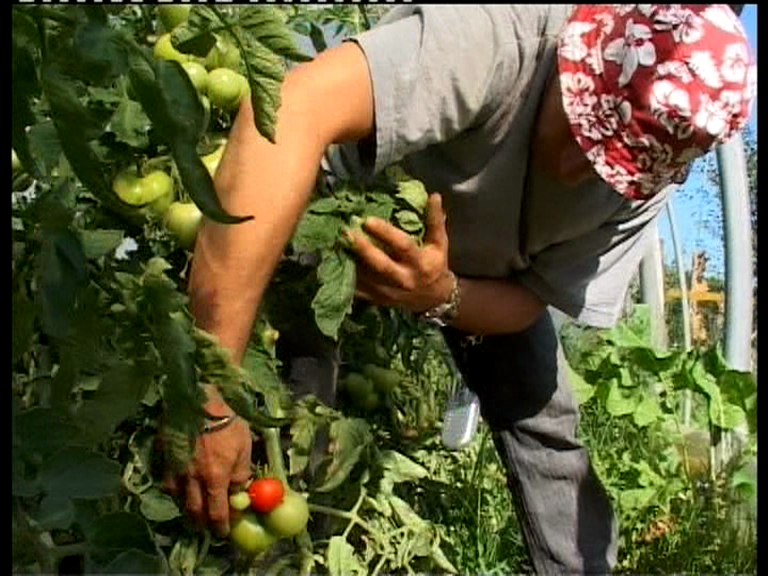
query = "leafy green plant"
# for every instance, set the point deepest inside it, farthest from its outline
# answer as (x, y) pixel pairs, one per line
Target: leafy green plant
(657, 471)
(108, 367)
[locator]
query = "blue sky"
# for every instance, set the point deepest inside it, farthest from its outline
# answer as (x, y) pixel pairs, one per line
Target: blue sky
(689, 208)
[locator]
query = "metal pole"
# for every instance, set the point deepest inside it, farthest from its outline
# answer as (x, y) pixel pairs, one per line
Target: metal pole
(685, 310)
(734, 187)
(739, 283)
(652, 289)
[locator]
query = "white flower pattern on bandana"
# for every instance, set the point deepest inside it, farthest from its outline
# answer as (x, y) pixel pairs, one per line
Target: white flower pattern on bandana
(672, 107)
(703, 65)
(685, 26)
(713, 115)
(632, 51)
(675, 68)
(735, 63)
(648, 88)
(573, 46)
(578, 93)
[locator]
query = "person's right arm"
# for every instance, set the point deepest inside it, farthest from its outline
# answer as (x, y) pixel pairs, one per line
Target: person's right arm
(327, 100)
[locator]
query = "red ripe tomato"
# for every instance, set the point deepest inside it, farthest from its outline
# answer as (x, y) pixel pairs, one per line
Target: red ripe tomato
(266, 494)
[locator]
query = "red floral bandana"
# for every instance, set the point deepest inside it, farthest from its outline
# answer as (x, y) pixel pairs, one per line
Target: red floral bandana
(648, 88)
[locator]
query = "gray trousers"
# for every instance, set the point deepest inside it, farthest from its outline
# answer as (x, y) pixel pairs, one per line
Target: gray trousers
(522, 382)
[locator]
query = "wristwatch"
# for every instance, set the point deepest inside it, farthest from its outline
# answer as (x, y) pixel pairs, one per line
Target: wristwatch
(445, 313)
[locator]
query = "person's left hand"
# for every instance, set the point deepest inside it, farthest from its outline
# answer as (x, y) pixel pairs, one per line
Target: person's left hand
(398, 272)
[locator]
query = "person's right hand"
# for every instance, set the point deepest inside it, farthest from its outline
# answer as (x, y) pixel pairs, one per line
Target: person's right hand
(221, 464)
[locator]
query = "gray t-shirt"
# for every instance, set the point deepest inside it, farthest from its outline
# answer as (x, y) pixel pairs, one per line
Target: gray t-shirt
(457, 90)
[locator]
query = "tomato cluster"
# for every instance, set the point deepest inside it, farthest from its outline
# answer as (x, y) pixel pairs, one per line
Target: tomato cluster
(219, 84)
(265, 513)
(370, 386)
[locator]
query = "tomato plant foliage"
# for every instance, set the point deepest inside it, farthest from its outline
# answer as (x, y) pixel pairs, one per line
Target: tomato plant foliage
(109, 370)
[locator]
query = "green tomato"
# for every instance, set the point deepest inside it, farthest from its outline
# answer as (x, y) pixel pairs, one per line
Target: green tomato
(358, 387)
(197, 74)
(212, 160)
(183, 220)
(137, 191)
(225, 88)
(240, 501)
(250, 536)
(224, 54)
(158, 207)
(290, 517)
(384, 379)
(164, 50)
(370, 402)
(172, 16)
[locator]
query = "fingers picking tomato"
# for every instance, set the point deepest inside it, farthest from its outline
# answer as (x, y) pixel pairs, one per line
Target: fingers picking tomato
(266, 494)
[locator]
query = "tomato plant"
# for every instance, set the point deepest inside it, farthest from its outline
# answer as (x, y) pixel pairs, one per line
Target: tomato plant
(266, 494)
(115, 145)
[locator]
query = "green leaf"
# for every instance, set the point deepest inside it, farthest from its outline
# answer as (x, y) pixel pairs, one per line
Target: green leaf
(168, 98)
(25, 40)
(303, 431)
(317, 37)
(156, 506)
(740, 389)
(619, 401)
(116, 399)
(341, 559)
(98, 243)
(266, 100)
(45, 145)
(334, 299)
(80, 473)
(726, 415)
(135, 562)
(324, 205)
(406, 516)
(414, 194)
(316, 232)
(43, 431)
(350, 437)
(130, 124)
(636, 499)
(75, 127)
(409, 221)
(744, 481)
(581, 389)
(119, 532)
(191, 38)
(61, 268)
(198, 183)
(380, 205)
(624, 337)
(55, 513)
(647, 411)
(98, 52)
(399, 468)
(268, 27)
(439, 558)
(22, 324)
